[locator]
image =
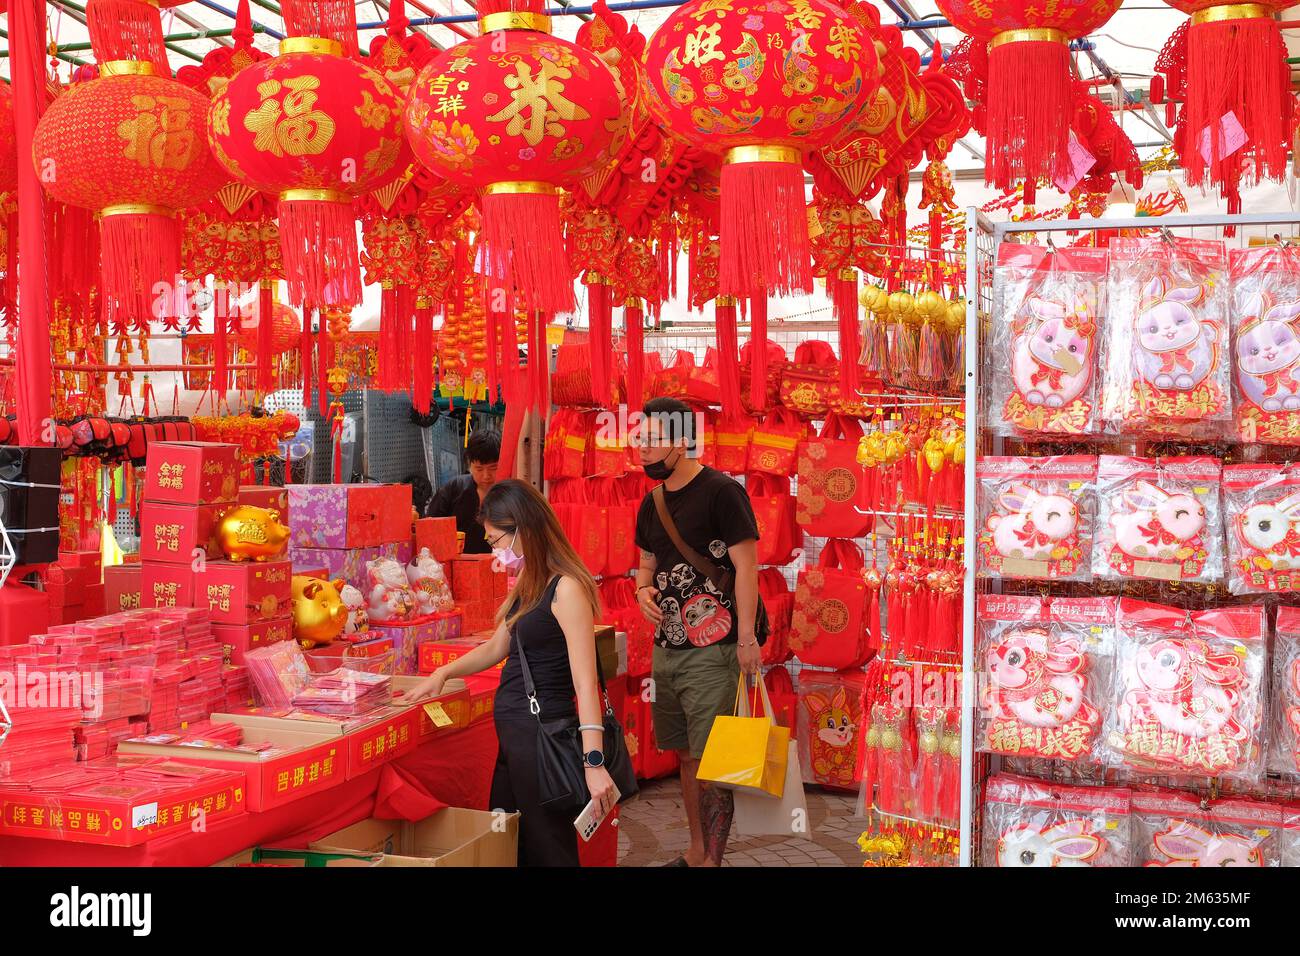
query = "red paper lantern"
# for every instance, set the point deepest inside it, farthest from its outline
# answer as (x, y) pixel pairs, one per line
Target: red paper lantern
(1228, 64)
(319, 130)
(1027, 120)
(130, 145)
(285, 328)
(761, 84)
(517, 113)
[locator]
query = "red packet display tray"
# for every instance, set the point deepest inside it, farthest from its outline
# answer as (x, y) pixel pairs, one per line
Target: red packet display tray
(367, 741)
(123, 808)
(304, 758)
(438, 715)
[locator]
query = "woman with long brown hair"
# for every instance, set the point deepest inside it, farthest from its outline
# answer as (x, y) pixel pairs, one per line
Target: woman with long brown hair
(550, 610)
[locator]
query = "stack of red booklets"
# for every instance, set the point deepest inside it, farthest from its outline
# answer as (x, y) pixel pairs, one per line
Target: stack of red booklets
(344, 693)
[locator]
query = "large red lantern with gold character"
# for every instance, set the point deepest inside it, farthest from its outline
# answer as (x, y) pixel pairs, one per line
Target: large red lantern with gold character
(1228, 66)
(318, 129)
(1027, 119)
(517, 113)
(130, 145)
(761, 83)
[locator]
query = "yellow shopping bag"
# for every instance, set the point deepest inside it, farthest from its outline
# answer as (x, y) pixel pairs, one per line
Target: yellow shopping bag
(747, 753)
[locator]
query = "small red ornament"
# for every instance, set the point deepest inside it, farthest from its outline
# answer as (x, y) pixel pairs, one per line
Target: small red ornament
(761, 84)
(517, 113)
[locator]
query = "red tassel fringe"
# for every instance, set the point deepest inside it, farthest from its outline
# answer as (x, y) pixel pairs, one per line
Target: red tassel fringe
(127, 30)
(138, 251)
(525, 249)
(265, 339)
(758, 353)
(728, 341)
(304, 359)
(600, 318)
(319, 243)
(1028, 112)
(764, 240)
(634, 334)
(331, 19)
(422, 355)
(844, 303)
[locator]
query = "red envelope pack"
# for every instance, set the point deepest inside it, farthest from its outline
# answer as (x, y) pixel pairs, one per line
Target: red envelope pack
(191, 473)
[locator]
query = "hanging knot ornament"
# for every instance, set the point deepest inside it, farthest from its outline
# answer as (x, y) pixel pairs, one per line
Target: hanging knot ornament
(318, 129)
(761, 84)
(1228, 66)
(517, 113)
(1027, 107)
(129, 145)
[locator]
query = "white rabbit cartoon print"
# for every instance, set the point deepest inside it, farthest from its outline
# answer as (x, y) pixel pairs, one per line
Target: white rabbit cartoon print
(1266, 344)
(1177, 349)
(1037, 516)
(1263, 501)
(1034, 823)
(1065, 844)
(1268, 359)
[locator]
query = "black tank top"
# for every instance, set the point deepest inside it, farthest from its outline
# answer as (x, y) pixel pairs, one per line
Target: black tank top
(548, 660)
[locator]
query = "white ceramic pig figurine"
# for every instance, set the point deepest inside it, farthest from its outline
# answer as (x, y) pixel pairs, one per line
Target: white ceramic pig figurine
(1158, 524)
(1175, 349)
(1051, 361)
(390, 596)
(1268, 360)
(1034, 525)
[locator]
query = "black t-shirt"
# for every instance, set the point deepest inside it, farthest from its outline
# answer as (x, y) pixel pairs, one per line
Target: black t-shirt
(458, 499)
(712, 513)
(548, 662)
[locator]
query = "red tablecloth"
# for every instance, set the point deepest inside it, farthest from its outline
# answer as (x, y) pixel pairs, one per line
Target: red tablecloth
(454, 769)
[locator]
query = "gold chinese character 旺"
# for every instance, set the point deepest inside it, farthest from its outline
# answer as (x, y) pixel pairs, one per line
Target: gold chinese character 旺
(537, 102)
(701, 46)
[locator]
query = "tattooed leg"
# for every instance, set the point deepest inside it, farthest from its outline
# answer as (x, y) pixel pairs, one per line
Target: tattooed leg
(717, 807)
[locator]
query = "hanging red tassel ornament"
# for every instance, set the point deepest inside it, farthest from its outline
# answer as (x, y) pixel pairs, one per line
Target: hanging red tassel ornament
(304, 360)
(422, 356)
(318, 129)
(517, 113)
(844, 305)
(728, 344)
(265, 336)
(761, 87)
(1236, 91)
(1027, 107)
(634, 335)
(601, 320)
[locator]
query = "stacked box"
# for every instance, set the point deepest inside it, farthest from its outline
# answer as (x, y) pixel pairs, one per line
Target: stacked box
(266, 496)
(408, 638)
(439, 536)
(348, 564)
(349, 516)
(30, 484)
(73, 584)
(479, 590)
(244, 592)
(238, 639)
(122, 586)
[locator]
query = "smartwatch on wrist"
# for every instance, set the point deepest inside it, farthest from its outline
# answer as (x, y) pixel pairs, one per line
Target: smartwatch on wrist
(592, 759)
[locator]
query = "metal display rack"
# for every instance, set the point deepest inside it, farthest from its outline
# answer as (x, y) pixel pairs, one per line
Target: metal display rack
(983, 237)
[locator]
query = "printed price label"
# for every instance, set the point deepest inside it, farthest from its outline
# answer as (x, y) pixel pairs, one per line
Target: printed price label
(437, 714)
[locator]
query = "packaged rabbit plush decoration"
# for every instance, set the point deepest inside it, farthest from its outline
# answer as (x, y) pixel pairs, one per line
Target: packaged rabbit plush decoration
(1175, 828)
(1037, 517)
(1046, 674)
(1166, 339)
(1266, 350)
(1262, 502)
(1159, 518)
(1034, 823)
(1189, 691)
(390, 597)
(1047, 304)
(1284, 722)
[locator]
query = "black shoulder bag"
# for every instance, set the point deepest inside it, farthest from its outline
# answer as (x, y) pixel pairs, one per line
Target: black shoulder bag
(561, 779)
(724, 581)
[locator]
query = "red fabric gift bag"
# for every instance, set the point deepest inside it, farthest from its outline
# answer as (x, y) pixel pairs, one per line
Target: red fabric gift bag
(774, 443)
(831, 481)
(827, 628)
(778, 533)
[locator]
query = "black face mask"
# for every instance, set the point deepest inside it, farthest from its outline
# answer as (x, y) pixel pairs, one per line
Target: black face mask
(660, 470)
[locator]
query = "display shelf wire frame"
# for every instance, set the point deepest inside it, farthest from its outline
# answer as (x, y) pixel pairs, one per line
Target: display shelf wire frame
(983, 237)
(442, 444)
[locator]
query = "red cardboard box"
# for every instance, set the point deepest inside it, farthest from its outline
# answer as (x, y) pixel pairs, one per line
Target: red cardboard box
(239, 639)
(472, 579)
(349, 516)
(133, 804)
(265, 496)
(122, 585)
(450, 713)
(244, 592)
(395, 514)
(191, 472)
(322, 573)
(439, 536)
(176, 532)
(435, 654)
(479, 615)
(383, 740)
(482, 695)
(163, 584)
(94, 603)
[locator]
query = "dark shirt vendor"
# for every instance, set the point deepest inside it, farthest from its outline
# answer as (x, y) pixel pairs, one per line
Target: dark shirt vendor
(462, 497)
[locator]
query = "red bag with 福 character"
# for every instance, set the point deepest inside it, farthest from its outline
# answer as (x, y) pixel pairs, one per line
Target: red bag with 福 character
(831, 481)
(779, 536)
(702, 384)
(777, 361)
(608, 446)
(774, 443)
(585, 522)
(828, 626)
(811, 383)
(731, 444)
(706, 446)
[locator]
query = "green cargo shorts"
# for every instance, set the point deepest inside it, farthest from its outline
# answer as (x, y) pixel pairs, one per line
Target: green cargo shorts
(691, 687)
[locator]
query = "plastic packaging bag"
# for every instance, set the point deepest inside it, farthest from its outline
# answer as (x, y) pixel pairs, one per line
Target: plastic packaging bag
(1262, 504)
(1037, 517)
(1284, 722)
(1033, 823)
(1173, 828)
(1266, 344)
(1046, 309)
(1189, 692)
(1159, 518)
(1166, 371)
(1046, 675)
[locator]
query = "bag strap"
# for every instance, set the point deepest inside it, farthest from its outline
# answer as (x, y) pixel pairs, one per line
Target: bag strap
(743, 706)
(706, 568)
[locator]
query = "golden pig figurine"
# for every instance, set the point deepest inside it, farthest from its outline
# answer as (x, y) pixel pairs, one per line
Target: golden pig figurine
(319, 614)
(248, 532)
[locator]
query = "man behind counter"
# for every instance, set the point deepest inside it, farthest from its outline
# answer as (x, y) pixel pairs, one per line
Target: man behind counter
(462, 497)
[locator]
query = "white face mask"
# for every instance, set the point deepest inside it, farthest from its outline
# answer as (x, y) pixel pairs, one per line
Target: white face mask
(506, 557)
